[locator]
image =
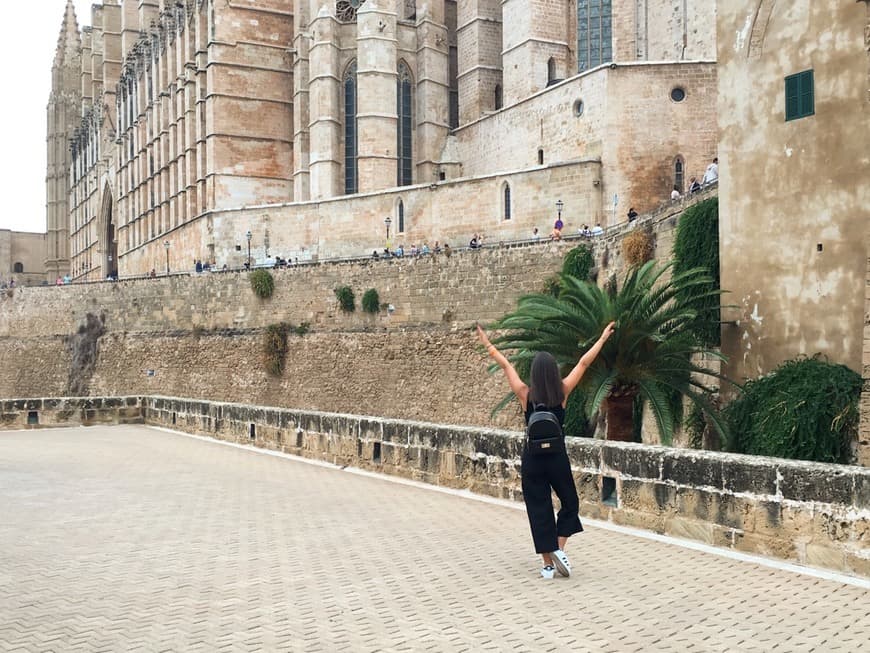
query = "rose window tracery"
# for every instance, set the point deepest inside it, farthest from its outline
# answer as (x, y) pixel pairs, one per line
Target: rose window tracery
(345, 10)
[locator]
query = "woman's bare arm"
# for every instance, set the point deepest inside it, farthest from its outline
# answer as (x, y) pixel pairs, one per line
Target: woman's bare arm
(520, 389)
(570, 382)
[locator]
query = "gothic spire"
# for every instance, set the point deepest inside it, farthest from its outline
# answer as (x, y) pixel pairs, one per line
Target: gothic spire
(69, 41)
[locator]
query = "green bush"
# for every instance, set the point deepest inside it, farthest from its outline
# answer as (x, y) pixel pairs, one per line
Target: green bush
(371, 301)
(578, 262)
(275, 348)
(346, 298)
(262, 283)
(805, 409)
(696, 245)
(302, 329)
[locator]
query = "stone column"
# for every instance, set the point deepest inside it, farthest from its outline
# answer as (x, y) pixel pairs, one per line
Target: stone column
(129, 25)
(301, 100)
(433, 90)
(325, 106)
(479, 43)
(538, 33)
(376, 94)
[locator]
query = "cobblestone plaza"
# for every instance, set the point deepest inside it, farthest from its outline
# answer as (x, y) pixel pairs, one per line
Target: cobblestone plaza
(135, 539)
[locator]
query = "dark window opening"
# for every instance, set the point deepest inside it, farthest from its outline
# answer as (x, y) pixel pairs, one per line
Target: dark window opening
(800, 95)
(351, 169)
(507, 202)
(678, 94)
(551, 71)
(540, 157)
(678, 174)
(405, 126)
(498, 98)
(252, 431)
(33, 417)
(376, 452)
(608, 491)
(442, 175)
(18, 268)
(400, 217)
(174, 419)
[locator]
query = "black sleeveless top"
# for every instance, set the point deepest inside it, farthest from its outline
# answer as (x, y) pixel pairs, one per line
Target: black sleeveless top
(558, 411)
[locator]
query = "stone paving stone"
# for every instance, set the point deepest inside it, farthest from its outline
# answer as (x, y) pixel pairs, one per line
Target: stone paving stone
(131, 538)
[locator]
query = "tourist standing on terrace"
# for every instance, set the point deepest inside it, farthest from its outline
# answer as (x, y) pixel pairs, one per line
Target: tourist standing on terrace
(544, 473)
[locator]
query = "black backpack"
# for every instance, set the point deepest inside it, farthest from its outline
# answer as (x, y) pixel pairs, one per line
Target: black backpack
(544, 433)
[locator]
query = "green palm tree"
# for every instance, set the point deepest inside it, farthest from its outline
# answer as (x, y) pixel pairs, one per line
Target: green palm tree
(649, 355)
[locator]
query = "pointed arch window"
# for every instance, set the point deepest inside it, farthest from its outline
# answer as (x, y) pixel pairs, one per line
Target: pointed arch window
(506, 198)
(594, 33)
(404, 110)
(498, 98)
(679, 175)
(551, 71)
(400, 217)
(351, 163)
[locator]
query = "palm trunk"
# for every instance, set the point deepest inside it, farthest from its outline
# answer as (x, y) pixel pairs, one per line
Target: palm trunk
(620, 417)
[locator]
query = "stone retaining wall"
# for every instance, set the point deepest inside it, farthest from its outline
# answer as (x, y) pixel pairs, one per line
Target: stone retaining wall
(809, 513)
(70, 411)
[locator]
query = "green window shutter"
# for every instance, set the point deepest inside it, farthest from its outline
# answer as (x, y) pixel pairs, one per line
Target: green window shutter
(807, 107)
(792, 97)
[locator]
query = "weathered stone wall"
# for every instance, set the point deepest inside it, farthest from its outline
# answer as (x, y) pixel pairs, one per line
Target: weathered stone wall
(808, 513)
(25, 248)
(201, 335)
(629, 123)
(864, 426)
(792, 220)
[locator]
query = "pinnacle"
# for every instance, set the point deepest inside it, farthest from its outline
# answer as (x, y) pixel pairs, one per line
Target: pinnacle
(69, 40)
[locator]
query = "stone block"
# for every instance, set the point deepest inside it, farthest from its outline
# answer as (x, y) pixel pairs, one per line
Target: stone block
(588, 488)
(815, 482)
(733, 512)
(694, 469)
(584, 453)
(639, 496)
(689, 529)
(858, 563)
(753, 477)
(861, 498)
(635, 461)
(639, 519)
(768, 546)
(768, 520)
(370, 429)
(826, 557)
(396, 432)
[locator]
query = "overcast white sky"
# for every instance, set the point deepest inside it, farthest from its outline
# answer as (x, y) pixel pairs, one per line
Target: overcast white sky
(27, 51)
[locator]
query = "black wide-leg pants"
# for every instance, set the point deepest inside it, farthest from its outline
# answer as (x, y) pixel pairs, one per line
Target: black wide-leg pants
(540, 474)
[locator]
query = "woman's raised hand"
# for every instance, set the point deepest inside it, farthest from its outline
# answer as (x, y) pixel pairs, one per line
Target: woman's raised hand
(483, 337)
(608, 331)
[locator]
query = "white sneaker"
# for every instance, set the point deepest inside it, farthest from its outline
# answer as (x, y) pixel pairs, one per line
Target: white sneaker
(548, 572)
(561, 562)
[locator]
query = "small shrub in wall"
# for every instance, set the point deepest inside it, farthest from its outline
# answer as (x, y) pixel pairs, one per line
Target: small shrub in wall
(371, 301)
(275, 348)
(262, 283)
(346, 298)
(579, 262)
(637, 247)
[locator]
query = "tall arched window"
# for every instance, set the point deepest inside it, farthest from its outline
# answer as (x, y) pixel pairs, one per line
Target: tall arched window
(351, 168)
(551, 71)
(498, 100)
(678, 173)
(404, 110)
(400, 217)
(506, 193)
(594, 33)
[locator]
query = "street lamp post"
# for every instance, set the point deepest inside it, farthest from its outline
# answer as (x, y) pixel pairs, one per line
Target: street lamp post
(248, 236)
(387, 223)
(166, 247)
(559, 206)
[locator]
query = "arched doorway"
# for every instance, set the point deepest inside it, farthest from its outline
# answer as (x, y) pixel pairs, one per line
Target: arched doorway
(110, 248)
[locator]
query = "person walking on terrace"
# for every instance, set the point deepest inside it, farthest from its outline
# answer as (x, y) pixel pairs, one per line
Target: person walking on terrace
(546, 472)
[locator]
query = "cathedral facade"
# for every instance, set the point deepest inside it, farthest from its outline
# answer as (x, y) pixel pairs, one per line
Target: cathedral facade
(196, 129)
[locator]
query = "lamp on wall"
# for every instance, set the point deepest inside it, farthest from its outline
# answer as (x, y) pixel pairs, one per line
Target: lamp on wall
(559, 206)
(248, 236)
(166, 247)
(387, 223)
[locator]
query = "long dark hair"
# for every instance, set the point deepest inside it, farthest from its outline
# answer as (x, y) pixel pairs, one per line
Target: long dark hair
(545, 383)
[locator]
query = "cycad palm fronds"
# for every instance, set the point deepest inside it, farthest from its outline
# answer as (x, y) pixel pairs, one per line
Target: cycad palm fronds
(650, 353)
